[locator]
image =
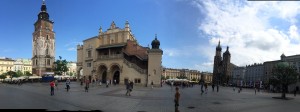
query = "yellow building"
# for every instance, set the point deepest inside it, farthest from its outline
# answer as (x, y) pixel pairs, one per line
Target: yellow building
(171, 73)
(23, 65)
(116, 56)
(6, 64)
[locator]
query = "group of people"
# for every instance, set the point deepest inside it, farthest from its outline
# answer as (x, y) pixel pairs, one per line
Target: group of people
(54, 84)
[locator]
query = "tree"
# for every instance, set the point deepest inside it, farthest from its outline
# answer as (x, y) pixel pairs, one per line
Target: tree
(60, 66)
(181, 77)
(284, 75)
(27, 73)
(2, 76)
(18, 73)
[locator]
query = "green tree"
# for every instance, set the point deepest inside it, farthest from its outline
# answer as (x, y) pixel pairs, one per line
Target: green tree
(194, 79)
(60, 66)
(18, 73)
(168, 77)
(27, 73)
(2, 76)
(163, 77)
(284, 75)
(181, 77)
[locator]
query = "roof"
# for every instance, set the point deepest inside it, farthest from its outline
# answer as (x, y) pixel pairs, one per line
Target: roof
(111, 46)
(132, 48)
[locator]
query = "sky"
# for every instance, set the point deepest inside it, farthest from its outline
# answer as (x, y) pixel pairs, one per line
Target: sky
(188, 30)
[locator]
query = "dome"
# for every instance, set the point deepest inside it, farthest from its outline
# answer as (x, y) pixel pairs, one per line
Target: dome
(155, 43)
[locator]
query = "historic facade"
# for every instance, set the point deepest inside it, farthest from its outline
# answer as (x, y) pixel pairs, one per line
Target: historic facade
(172, 73)
(6, 64)
(254, 75)
(222, 67)
(115, 55)
(23, 65)
(43, 44)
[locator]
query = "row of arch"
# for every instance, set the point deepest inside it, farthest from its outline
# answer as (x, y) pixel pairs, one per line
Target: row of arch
(104, 74)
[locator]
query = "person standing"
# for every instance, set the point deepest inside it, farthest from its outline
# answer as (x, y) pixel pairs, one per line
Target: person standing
(152, 84)
(176, 100)
(213, 87)
(52, 84)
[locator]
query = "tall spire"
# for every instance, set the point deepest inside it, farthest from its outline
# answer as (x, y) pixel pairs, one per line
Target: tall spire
(43, 14)
(219, 47)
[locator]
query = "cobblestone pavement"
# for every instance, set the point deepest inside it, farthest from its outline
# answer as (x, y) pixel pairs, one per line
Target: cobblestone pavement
(142, 99)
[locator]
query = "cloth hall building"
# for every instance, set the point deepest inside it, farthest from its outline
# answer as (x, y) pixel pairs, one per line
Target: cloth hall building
(115, 55)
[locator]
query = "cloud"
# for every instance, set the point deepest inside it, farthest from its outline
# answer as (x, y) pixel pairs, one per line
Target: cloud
(71, 49)
(254, 31)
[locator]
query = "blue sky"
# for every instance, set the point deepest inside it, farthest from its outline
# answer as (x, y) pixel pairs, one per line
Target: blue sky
(188, 30)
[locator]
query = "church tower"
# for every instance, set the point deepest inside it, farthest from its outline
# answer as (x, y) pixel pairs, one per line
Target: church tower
(43, 44)
(217, 64)
(154, 64)
(226, 66)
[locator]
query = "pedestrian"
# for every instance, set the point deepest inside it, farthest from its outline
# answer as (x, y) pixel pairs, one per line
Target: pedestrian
(52, 84)
(87, 85)
(176, 100)
(202, 91)
(115, 82)
(68, 82)
(213, 87)
(128, 88)
(255, 90)
(205, 86)
(107, 83)
(100, 82)
(152, 84)
(56, 84)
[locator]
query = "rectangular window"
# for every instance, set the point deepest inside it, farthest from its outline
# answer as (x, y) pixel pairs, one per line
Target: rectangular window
(89, 64)
(48, 61)
(89, 54)
(137, 80)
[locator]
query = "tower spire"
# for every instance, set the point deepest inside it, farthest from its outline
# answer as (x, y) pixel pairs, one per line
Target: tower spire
(43, 14)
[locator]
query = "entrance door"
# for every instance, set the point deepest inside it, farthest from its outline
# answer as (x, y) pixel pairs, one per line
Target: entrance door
(104, 74)
(117, 77)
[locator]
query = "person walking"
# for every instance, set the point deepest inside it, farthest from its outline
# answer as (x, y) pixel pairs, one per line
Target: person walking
(56, 84)
(52, 84)
(176, 100)
(128, 88)
(213, 87)
(87, 85)
(68, 82)
(107, 83)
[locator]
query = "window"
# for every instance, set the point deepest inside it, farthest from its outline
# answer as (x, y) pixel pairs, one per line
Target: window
(48, 61)
(137, 80)
(89, 64)
(47, 51)
(89, 53)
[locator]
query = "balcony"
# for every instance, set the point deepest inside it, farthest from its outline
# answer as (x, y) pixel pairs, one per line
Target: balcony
(113, 56)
